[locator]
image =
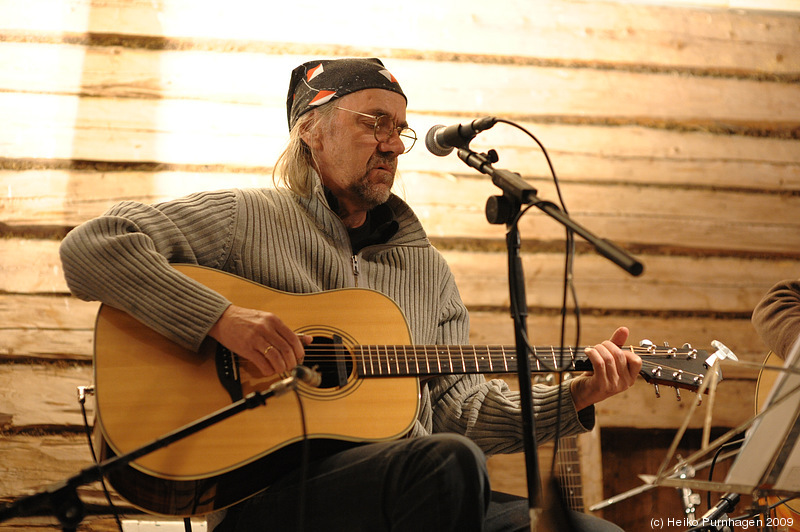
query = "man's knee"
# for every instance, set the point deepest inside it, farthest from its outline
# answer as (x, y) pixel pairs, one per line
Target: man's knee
(457, 462)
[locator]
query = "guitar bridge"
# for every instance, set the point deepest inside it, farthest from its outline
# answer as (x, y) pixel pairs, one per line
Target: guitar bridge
(228, 372)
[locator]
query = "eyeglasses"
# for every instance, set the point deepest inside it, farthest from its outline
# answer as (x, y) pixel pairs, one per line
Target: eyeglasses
(385, 126)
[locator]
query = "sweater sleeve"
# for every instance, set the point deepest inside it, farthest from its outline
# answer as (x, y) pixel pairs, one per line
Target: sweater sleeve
(489, 412)
(776, 318)
(123, 259)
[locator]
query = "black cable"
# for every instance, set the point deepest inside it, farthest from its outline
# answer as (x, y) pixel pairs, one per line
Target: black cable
(304, 461)
(714, 462)
(88, 431)
(568, 288)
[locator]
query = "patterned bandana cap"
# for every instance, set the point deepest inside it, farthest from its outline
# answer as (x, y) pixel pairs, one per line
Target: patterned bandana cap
(318, 82)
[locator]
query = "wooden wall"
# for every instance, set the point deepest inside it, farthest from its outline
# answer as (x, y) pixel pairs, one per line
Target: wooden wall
(673, 130)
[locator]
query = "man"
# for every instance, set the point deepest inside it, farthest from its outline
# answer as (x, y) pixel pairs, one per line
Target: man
(336, 224)
(776, 318)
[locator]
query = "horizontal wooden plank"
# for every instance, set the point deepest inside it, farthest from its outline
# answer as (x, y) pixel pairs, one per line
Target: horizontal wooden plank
(55, 313)
(625, 214)
(249, 78)
(555, 30)
(47, 328)
(33, 462)
(514, 90)
(46, 344)
(69, 198)
(31, 266)
(787, 6)
(632, 154)
(579, 152)
(732, 406)
(670, 283)
(42, 396)
(176, 131)
(759, 6)
(452, 206)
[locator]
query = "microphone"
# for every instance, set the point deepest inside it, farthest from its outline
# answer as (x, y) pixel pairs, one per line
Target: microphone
(302, 374)
(307, 375)
(726, 504)
(441, 140)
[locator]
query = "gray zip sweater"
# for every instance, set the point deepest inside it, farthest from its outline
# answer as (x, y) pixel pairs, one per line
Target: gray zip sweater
(299, 245)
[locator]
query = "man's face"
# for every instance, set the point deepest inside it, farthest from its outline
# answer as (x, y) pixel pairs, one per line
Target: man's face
(357, 168)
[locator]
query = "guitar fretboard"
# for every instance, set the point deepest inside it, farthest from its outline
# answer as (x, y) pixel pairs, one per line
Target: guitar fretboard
(666, 365)
(422, 360)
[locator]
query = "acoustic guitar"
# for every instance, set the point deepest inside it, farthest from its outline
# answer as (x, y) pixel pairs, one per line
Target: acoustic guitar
(147, 386)
(788, 512)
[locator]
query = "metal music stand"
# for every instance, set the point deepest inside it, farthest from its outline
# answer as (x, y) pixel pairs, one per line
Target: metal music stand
(768, 462)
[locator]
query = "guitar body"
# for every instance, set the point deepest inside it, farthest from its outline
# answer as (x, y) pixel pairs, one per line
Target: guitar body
(790, 511)
(147, 386)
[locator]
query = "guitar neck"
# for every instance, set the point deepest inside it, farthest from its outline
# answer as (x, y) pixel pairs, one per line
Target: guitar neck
(427, 360)
(679, 368)
(569, 472)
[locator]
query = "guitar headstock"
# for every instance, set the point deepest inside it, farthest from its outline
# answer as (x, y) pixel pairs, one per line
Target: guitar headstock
(684, 367)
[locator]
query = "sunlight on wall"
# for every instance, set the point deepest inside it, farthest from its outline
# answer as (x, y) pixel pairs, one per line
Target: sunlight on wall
(747, 5)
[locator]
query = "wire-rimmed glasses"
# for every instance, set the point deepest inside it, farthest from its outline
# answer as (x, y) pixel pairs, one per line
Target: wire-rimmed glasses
(385, 126)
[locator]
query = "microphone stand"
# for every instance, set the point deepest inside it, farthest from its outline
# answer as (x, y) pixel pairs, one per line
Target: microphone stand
(504, 210)
(62, 498)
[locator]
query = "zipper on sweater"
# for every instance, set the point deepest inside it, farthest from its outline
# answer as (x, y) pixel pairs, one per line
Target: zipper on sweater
(356, 268)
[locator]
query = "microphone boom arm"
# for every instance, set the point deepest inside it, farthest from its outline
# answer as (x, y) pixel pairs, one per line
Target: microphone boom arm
(523, 193)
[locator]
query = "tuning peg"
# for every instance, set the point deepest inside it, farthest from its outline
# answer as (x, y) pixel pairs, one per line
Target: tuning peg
(658, 392)
(687, 346)
(722, 352)
(648, 345)
(678, 394)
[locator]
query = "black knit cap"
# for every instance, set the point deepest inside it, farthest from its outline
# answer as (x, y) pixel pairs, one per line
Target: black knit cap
(317, 82)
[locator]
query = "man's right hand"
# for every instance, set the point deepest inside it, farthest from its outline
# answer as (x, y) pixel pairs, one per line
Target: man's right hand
(260, 337)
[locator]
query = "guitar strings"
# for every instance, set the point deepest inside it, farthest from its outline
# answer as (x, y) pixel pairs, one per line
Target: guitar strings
(488, 358)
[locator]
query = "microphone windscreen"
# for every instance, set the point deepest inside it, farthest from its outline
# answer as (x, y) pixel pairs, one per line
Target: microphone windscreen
(433, 146)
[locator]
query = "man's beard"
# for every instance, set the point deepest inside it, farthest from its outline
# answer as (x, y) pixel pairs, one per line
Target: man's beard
(371, 194)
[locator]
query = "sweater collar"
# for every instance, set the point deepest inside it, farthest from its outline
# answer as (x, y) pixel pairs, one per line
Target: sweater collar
(408, 230)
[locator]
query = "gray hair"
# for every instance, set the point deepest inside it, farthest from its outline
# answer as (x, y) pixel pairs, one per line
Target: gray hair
(295, 165)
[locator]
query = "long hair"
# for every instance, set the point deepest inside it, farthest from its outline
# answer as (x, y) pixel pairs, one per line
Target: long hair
(295, 165)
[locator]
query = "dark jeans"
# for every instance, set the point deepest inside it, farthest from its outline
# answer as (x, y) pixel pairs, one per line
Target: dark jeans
(435, 483)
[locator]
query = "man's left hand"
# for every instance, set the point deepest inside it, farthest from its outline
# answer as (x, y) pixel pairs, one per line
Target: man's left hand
(614, 370)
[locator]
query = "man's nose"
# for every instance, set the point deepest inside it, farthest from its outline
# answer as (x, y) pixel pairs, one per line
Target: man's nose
(394, 144)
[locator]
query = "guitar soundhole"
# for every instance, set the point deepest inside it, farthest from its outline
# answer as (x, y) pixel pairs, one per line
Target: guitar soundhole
(331, 359)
